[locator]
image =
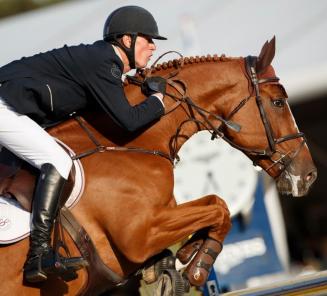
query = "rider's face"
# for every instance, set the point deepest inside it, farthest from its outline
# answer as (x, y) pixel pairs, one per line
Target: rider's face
(144, 48)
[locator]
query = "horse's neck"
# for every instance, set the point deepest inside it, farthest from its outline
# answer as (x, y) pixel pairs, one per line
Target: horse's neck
(213, 86)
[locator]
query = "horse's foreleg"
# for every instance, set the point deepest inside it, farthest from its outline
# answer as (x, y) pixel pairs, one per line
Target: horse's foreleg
(206, 250)
(166, 226)
(209, 212)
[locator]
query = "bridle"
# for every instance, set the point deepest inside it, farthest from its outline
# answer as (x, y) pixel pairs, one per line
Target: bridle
(283, 160)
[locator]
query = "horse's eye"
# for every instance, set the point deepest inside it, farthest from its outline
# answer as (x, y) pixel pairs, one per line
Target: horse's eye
(279, 102)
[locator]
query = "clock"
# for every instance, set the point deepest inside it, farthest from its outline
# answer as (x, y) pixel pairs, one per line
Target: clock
(214, 167)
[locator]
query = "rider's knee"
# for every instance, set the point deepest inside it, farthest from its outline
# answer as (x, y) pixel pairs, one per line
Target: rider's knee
(63, 163)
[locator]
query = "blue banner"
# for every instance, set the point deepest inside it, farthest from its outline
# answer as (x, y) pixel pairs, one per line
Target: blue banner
(211, 287)
(249, 249)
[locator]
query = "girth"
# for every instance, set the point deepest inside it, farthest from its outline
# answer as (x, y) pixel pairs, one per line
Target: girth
(100, 277)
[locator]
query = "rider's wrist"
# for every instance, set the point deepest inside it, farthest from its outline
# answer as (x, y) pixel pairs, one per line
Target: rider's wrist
(160, 97)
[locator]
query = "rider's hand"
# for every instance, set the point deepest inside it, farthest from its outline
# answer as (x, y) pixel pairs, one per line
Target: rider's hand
(152, 85)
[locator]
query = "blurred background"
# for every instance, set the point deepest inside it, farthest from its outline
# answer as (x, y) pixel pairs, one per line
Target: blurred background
(294, 232)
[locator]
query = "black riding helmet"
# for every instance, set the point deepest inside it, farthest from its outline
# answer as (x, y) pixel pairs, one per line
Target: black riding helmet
(130, 20)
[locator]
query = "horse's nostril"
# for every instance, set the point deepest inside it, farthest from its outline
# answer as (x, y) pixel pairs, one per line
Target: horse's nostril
(311, 176)
(308, 177)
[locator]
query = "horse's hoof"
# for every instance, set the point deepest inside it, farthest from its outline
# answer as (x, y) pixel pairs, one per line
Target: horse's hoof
(161, 262)
(149, 275)
(164, 264)
(171, 283)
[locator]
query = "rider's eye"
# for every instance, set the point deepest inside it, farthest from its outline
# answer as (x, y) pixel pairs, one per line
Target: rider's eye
(148, 38)
(279, 102)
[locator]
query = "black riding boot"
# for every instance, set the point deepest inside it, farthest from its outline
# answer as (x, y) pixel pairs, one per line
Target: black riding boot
(41, 259)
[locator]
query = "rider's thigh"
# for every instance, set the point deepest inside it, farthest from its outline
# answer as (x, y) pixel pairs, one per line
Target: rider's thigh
(29, 141)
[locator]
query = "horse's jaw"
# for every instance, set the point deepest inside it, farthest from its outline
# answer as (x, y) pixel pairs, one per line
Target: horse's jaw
(294, 184)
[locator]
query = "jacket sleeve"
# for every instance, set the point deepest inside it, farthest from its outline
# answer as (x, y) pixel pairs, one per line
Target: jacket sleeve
(106, 86)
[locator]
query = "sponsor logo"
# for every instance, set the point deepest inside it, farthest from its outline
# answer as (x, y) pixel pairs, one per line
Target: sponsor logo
(236, 253)
(212, 288)
(115, 71)
(5, 223)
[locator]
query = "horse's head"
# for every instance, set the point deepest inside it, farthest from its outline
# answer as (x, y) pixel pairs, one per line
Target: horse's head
(269, 135)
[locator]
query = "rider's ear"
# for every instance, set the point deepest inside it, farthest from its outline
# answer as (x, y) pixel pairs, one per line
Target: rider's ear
(266, 55)
(127, 41)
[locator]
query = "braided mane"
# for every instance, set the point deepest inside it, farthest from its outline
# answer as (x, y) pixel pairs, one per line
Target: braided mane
(184, 61)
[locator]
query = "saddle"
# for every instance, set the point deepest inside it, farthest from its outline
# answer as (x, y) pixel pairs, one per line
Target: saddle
(17, 182)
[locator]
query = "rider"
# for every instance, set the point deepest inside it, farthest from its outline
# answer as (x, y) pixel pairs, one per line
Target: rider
(46, 88)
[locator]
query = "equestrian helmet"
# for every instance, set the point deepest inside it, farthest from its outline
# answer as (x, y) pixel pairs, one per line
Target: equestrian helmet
(132, 20)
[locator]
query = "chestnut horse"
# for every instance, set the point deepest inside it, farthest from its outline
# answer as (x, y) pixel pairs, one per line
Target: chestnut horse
(128, 207)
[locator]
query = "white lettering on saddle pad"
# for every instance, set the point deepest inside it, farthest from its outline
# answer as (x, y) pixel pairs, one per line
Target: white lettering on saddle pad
(15, 221)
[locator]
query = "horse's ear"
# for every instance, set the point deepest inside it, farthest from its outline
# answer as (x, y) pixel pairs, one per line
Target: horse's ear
(266, 55)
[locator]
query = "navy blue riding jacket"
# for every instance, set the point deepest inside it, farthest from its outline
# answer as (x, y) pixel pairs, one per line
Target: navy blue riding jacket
(49, 86)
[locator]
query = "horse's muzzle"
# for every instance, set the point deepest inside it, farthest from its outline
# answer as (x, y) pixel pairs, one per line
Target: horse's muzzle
(296, 184)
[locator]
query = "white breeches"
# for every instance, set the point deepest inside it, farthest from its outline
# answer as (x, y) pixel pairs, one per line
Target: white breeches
(29, 141)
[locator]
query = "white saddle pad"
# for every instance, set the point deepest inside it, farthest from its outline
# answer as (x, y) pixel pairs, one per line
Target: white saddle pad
(15, 221)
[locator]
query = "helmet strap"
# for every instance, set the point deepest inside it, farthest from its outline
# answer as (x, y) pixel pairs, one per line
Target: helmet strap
(130, 52)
